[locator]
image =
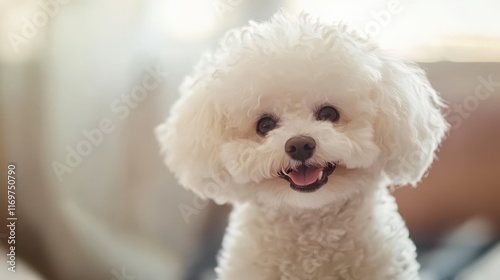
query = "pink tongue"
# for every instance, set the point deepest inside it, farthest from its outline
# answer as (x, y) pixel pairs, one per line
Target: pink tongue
(304, 175)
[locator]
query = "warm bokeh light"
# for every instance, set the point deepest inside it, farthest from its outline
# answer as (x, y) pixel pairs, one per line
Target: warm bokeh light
(422, 30)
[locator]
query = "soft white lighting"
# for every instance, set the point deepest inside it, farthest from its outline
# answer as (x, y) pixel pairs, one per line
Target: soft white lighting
(189, 18)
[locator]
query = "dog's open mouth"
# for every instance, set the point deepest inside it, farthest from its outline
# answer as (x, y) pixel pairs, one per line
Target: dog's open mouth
(308, 178)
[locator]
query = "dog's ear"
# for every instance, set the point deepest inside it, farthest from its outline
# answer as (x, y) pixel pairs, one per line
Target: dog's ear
(190, 138)
(410, 125)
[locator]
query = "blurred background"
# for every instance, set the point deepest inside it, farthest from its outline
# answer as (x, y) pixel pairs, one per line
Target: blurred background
(83, 84)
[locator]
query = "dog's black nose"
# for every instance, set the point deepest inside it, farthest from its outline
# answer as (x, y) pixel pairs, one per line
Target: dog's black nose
(300, 147)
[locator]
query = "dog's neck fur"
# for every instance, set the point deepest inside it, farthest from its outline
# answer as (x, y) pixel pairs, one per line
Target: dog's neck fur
(288, 243)
(335, 209)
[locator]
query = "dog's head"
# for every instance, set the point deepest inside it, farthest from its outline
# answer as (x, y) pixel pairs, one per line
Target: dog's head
(298, 112)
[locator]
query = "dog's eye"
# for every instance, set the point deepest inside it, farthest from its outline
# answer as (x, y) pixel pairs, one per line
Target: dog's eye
(327, 113)
(264, 125)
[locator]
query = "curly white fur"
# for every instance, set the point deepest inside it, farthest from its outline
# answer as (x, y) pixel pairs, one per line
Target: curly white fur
(389, 128)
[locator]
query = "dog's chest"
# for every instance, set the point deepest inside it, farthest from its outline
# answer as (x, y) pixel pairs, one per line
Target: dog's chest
(312, 248)
(349, 242)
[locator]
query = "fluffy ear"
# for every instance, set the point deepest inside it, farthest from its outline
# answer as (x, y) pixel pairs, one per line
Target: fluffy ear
(410, 125)
(190, 138)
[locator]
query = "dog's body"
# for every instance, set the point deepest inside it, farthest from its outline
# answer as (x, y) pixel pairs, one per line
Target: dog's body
(361, 238)
(303, 126)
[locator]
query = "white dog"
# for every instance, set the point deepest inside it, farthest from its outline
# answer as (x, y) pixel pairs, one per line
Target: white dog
(303, 126)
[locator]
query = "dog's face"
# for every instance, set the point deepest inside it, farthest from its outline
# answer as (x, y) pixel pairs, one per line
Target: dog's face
(298, 113)
(302, 137)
